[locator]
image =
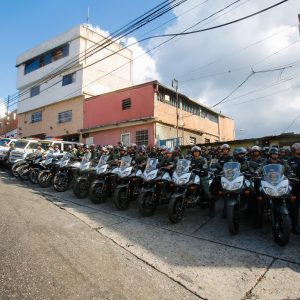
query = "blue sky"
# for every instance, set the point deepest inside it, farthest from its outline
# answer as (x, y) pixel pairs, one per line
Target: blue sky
(24, 24)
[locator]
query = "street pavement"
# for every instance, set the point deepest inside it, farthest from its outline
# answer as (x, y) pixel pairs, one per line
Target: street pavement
(56, 246)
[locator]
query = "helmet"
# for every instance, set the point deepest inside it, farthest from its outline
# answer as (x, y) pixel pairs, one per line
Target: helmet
(273, 150)
(196, 149)
(123, 148)
(237, 152)
(255, 148)
(142, 149)
(164, 148)
(225, 146)
(295, 147)
(169, 150)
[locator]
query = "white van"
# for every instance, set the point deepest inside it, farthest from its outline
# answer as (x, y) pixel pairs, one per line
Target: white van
(23, 147)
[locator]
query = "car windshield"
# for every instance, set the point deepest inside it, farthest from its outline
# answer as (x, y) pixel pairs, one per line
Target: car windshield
(125, 162)
(231, 170)
(4, 142)
(103, 159)
(183, 166)
(273, 173)
(151, 164)
(21, 144)
(45, 144)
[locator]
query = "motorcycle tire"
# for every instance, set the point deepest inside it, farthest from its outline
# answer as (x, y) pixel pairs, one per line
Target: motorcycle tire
(33, 176)
(97, 193)
(176, 209)
(14, 170)
(145, 204)
(281, 229)
(121, 199)
(24, 172)
(233, 219)
(81, 188)
(44, 179)
(61, 182)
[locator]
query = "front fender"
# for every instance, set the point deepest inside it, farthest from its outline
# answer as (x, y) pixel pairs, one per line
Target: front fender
(279, 208)
(81, 178)
(177, 195)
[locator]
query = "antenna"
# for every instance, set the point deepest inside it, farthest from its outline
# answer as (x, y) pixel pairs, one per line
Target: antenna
(88, 16)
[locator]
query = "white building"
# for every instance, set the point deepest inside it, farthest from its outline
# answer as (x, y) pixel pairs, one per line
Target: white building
(55, 77)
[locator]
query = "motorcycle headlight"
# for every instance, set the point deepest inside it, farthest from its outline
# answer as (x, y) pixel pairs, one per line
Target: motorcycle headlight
(150, 176)
(282, 190)
(182, 181)
(226, 186)
(237, 185)
(269, 191)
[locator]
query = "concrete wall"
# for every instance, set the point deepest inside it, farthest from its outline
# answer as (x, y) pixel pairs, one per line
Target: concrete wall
(50, 120)
(87, 80)
(166, 113)
(227, 131)
(107, 109)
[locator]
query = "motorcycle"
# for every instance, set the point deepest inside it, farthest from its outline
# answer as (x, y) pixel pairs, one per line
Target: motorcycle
(186, 191)
(236, 190)
(156, 190)
(128, 184)
(68, 173)
(87, 176)
(30, 162)
(276, 191)
(19, 163)
(51, 166)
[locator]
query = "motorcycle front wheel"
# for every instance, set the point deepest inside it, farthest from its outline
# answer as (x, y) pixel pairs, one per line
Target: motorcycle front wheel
(81, 188)
(281, 228)
(145, 204)
(121, 199)
(45, 179)
(33, 175)
(61, 182)
(97, 193)
(233, 219)
(176, 209)
(24, 172)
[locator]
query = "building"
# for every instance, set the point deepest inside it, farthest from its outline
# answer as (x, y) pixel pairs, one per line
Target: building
(145, 114)
(8, 125)
(55, 77)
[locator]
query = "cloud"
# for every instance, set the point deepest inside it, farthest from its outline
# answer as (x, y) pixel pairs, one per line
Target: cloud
(210, 65)
(2, 108)
(144, 66)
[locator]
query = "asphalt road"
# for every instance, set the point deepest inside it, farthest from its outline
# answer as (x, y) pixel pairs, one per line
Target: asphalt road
(47, 253)
(54, 245)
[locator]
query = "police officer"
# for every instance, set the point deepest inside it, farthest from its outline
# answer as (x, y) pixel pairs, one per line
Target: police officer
(199, 164)
(294, 163)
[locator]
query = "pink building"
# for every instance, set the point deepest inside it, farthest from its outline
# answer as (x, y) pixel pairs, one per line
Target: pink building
(145, 114)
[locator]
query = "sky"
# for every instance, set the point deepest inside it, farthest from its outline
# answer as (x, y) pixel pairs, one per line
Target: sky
(251, 68)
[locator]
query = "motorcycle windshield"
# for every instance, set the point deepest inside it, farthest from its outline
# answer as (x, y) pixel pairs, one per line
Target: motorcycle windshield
(85, 158)
(66, 156)
(182, 167)
(125, 162)
(103, 160)
(213, 163)
(151, 164)
(231, 170)
(273, 173)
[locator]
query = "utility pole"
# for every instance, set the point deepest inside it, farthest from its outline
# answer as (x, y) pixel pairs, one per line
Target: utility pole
(7, 106)
(175, 86)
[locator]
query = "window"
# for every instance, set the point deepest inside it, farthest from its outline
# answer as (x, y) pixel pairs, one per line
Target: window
(58, 145)
(206, 141)
(32, 146)
(68, 79)
(34, 91)
(46, 58)
(192, 140)
(141, 137)
(126, 104)
(65, 116)
(36, 117)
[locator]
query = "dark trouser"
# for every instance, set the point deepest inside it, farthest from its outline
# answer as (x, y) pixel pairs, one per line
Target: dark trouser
(204, 182)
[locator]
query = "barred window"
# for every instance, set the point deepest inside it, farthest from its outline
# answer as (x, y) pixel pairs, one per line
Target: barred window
(65, 116)
(126, 104)
(36, 117)
(192, 140)
(141, 137)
